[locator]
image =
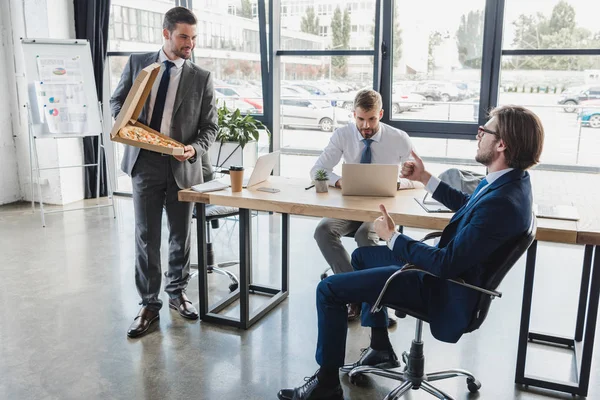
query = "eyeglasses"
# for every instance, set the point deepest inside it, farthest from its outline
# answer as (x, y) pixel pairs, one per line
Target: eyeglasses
(482, 130)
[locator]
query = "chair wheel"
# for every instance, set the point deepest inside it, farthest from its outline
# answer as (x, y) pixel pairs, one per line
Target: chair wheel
(233, 287)
(323, 275)
(473, 385)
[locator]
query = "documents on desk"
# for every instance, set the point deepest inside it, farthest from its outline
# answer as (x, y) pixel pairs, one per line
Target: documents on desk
(431, 205)
(210, 186)
(564, 212)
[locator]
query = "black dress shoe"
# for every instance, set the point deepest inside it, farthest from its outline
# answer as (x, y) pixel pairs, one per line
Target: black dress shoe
(374, 358)
(312, 390)
(354, 311)
(184, 306)
(142, 322)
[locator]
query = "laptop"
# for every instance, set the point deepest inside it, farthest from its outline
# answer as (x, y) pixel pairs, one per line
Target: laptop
(369, 180)
(261, 171)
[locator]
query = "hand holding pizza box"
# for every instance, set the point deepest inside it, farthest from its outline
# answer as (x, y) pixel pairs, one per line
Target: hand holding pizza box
(127, 129)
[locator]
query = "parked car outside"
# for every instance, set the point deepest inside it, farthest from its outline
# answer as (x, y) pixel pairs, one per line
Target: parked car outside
(400, 102)
(590, 116)
(405, 98)
(312, 113)
(438, 91)
(246, 94)
(575, 95)
(235, 104)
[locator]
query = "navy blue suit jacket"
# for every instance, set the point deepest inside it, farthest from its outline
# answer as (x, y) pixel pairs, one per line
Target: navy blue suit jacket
(500, 213)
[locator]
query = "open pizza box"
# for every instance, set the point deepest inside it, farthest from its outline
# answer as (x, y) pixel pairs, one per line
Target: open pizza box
(127, 129)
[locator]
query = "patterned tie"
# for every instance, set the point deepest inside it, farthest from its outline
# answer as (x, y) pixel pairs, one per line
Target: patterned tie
(478, 188)
(365, 157)
(161, 96)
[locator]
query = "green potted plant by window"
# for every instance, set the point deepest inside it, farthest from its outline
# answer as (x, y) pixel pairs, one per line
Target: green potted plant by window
(321, 178)
(237, 139)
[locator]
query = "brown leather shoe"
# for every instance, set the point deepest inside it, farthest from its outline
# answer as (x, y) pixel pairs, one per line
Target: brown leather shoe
(184, 306)
(354, 311)
(142, 322)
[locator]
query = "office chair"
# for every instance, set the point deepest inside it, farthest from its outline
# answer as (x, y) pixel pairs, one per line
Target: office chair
(413, 376)
(325, 273)
(213, 214)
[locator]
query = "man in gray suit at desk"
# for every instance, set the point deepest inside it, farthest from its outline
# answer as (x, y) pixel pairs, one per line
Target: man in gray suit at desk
(182, 106)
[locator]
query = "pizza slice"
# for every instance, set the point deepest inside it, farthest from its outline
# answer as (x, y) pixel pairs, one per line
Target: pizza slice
(141, 135)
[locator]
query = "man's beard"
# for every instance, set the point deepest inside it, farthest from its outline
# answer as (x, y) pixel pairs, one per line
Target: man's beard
(372, 132)
(179, 53)
(485, 158)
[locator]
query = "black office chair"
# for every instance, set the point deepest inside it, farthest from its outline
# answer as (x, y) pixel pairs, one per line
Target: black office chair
(413, 376)
(325, 273)
(213, 214)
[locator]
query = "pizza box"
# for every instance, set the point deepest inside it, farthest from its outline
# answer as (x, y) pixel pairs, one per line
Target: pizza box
(134, 103)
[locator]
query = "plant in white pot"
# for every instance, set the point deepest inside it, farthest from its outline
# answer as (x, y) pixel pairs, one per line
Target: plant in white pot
(237, 139)
(321, 178)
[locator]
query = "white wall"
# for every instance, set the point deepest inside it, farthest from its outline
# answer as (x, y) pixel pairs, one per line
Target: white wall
(9, 179)
(38, 19)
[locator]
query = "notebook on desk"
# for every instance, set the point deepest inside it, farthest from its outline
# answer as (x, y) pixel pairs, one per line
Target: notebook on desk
(563, 212)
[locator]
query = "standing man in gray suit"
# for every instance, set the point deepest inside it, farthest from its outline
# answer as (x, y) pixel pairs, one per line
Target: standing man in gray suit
(182, 106)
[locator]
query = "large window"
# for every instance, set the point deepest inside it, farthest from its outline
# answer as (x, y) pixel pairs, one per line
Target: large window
(551, 64)
(436, 59)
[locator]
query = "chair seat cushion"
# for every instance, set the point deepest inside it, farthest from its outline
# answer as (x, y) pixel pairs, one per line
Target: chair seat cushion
(214, 211)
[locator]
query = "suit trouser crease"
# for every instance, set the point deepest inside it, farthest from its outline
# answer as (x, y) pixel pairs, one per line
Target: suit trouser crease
(374, 265)
(154, 188)
(328, 235)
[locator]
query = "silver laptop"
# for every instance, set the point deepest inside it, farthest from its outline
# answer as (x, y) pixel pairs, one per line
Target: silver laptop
(260, 173)
(369, 180)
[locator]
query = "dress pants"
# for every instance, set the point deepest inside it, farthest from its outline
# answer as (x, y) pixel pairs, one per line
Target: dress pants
(328, 235)
(373, 266)
(154, 188)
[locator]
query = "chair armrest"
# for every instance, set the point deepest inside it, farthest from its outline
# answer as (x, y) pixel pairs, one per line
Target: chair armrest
(410, 267)
(431, 235)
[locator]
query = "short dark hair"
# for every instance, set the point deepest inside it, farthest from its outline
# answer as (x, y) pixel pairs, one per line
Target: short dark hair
(178, 15)
(368, 99)
(523, 134)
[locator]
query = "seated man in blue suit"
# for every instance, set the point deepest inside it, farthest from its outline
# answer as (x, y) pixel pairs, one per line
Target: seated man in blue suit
(498, 211)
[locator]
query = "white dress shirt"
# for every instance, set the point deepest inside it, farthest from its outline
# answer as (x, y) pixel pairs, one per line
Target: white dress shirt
(389, 146)
(434, 182)
(175, 76)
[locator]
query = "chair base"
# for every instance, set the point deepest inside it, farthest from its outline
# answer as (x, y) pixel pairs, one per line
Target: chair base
(234, 281)
(413, 376)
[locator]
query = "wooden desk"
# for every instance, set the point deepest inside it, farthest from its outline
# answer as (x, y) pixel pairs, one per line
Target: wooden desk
(294, 199)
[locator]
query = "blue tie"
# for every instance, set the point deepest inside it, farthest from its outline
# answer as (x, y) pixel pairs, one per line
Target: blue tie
(161, 96)
(365, 157)
(478, 188)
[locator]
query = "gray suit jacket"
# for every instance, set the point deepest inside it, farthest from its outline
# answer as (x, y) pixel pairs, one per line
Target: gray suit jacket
(194, 120)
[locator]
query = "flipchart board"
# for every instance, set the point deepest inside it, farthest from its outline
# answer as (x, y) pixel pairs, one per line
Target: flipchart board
(61, 88)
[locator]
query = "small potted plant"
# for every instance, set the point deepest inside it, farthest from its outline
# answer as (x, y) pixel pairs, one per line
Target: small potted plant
(321, 179)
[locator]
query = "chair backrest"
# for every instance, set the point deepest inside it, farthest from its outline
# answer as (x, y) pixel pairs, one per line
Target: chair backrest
(463, 180)
(507, 255)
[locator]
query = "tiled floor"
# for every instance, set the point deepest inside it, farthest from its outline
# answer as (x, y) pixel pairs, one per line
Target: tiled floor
(67, 296)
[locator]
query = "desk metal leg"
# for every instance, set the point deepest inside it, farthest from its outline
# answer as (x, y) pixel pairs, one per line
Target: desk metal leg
(590, 328)
(526, 311)
(201, 246)
(583, 292)
(247, 319)
(588, 300)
